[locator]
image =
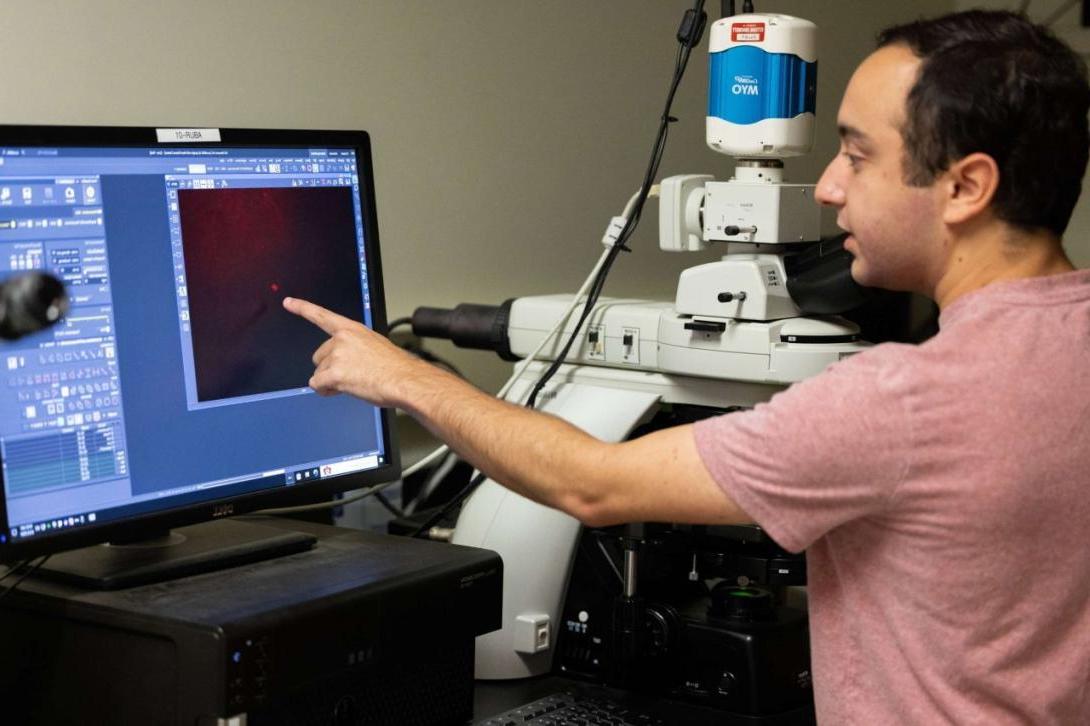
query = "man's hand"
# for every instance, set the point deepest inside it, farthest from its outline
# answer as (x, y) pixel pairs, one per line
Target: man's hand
(355, 360)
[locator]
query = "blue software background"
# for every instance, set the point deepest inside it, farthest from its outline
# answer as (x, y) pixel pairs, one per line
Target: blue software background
(168, 445)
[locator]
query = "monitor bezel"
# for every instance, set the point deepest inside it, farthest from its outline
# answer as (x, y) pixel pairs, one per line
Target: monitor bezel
(147, 525)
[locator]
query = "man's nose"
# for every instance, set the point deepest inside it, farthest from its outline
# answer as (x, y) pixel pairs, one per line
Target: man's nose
(830, 190)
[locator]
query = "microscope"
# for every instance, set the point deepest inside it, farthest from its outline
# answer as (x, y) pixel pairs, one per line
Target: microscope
(700, 613)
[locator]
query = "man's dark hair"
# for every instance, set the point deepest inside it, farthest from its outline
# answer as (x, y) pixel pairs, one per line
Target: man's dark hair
(994, 82)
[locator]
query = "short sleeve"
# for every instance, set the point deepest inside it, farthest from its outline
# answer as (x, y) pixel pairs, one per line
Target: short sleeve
(828, 450)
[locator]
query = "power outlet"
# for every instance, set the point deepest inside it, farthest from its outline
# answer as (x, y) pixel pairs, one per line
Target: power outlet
(531, 633)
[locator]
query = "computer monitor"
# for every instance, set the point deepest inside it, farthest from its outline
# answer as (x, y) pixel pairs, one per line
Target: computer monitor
(175, 389)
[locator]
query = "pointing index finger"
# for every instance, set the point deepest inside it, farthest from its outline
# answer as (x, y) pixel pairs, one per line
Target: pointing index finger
(327, 320)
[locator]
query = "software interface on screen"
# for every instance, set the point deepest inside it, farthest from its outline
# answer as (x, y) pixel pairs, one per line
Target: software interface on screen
(176, 377)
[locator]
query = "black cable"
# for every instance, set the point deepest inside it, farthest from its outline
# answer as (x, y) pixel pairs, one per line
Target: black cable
(455, 500)
(24, 576)
(397, 323)
(747, 6)
(14, 568)
(622, 239)
(390, 507)
(726, 8)
(694, 24)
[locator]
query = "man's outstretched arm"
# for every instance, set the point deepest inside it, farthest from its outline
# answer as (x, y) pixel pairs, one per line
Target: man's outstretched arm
(658, 477)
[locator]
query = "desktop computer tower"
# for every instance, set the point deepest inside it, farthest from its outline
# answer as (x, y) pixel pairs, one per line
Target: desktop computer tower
(362, 629)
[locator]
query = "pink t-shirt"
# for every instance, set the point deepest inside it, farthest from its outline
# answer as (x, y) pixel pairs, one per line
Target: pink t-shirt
(942, 493)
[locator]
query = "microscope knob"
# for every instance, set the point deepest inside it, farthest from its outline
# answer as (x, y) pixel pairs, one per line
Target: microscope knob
(727, 683)
(663, 624)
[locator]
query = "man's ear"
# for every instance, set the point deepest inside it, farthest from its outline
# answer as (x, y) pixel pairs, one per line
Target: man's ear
(970, 185)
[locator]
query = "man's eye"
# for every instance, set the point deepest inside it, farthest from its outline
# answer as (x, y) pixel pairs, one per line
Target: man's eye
(853, 160)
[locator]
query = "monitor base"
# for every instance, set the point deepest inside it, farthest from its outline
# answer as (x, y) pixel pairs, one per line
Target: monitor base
(179, 553)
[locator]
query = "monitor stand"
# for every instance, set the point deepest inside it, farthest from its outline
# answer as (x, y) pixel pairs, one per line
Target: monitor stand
(175, 553)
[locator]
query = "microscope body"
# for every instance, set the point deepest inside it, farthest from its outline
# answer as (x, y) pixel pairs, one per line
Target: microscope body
(700, 635)
(738, 331)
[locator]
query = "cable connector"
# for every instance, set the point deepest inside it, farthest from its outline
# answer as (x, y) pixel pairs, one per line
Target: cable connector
(692, 27)
(613, 231)
(441, 534)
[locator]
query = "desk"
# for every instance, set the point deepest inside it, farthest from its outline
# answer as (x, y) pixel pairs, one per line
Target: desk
(494, 697)
(491, 698)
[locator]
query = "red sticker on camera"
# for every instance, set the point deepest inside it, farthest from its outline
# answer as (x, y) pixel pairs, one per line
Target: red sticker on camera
(747, 32)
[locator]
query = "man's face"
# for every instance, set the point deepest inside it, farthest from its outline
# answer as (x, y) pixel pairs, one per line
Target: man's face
(896, 235)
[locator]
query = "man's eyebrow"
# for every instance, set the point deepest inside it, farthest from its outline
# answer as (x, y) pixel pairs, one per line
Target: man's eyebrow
(850, 133)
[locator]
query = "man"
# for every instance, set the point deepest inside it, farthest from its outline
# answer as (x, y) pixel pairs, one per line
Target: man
(940, 490)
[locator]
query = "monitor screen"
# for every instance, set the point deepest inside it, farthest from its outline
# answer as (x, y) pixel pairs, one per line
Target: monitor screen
(175, 388)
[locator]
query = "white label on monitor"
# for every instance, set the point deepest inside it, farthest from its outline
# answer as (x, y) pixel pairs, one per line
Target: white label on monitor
(190, 135)
(346, 467)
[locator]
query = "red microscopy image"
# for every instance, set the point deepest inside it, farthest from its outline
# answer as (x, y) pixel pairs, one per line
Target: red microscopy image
(247, 249)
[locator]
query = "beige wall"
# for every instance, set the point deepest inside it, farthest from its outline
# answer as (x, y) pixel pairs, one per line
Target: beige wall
(506, 132)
